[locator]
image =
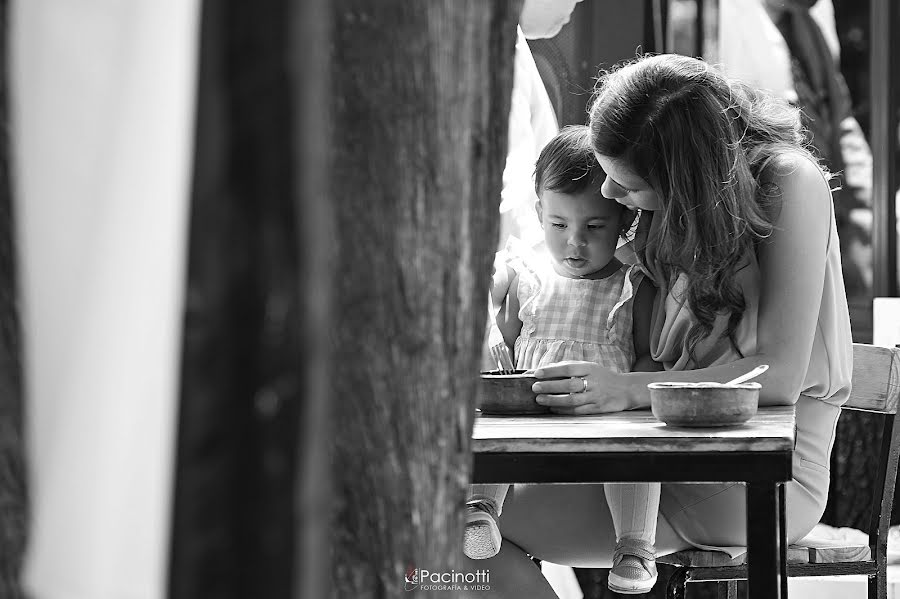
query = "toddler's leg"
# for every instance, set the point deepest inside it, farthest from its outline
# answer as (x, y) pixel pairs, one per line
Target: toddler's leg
(482, 537)
(634, 508)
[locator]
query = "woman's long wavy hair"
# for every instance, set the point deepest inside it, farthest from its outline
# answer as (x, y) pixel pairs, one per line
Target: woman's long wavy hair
(703, 143)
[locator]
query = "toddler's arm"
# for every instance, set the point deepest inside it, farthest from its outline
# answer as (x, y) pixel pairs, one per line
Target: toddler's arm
(508, 316)
(642, 312)
(503, 321)
(500, 281)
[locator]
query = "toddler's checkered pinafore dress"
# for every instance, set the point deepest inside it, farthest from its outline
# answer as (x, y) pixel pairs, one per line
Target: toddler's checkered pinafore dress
(573, 319)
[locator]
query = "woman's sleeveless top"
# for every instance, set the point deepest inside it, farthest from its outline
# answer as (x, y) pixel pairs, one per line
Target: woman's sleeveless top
(830, 366)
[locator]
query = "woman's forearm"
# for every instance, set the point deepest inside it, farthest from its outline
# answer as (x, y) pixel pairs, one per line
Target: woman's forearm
(578, 387)
(779, 387)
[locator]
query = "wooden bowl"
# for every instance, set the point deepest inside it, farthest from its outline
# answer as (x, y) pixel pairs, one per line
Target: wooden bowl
(508, 394)
(704, 404)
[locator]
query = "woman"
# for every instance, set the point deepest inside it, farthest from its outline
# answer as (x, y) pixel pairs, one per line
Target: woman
(737, 230)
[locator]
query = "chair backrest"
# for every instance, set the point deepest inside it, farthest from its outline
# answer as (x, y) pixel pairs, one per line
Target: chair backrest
(876, 388)
(876, 379)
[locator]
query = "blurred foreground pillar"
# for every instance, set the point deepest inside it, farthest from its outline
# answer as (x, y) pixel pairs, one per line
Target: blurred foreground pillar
(102, 112)
(13, 507)
(252, 484)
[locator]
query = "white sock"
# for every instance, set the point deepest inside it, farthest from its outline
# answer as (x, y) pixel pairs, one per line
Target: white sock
(634, 508)
(493, 494)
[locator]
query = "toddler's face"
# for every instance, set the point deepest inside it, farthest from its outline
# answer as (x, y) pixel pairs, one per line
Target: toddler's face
(581, 231)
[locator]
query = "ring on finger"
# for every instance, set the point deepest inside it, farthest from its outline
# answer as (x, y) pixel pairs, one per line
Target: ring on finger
(584, 384)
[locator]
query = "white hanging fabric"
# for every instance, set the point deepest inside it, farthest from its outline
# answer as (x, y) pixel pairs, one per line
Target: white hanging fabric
(753, 50)
(102, 102)
(532, 123)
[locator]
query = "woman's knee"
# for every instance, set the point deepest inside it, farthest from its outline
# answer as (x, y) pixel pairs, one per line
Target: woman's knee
(716, 514)
(565, 524)
(707, 514)
(510, 573)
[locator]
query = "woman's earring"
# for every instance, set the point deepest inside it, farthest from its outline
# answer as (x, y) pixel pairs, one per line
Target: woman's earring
(629, 223)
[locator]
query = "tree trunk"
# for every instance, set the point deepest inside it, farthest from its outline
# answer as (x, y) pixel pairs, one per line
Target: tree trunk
(422, 93)
(13, 507)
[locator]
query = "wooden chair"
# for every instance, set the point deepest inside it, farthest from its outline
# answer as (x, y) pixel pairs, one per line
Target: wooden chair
(876, 389)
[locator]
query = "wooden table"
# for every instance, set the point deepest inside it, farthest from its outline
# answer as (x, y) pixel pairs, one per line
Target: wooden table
(634, 446)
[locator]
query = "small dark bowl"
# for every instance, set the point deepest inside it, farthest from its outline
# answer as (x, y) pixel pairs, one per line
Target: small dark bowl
(508, 394)
(704, 404)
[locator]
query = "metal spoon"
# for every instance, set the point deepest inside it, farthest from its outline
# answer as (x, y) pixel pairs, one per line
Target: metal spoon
(749, 375)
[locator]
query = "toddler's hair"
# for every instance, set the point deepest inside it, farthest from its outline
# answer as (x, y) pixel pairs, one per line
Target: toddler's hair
(567, 163)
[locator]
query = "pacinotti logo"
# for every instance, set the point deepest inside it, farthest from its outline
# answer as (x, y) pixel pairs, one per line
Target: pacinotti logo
(430, 580)
(412, 578)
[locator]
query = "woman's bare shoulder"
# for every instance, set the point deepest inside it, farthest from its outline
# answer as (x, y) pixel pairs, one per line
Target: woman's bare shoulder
(791, 168)
(795, 177)
(798, 197)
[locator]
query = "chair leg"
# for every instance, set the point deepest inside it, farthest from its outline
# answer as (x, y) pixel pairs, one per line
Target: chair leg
(727, 589)
(878, 584)
(675, 588)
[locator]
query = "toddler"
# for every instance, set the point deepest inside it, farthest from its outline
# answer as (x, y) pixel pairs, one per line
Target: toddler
(579, 303)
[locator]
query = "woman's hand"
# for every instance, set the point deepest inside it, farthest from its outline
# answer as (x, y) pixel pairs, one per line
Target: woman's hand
(581, 388)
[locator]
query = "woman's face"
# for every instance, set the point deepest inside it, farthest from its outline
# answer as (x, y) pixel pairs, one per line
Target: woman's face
(623, 185)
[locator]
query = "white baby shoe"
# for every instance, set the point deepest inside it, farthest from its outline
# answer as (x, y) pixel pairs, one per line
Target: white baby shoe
(634, 567)
(482, 538)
